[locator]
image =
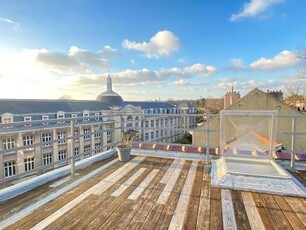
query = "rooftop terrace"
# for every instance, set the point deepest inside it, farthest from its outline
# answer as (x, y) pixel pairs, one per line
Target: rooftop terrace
(149, 193)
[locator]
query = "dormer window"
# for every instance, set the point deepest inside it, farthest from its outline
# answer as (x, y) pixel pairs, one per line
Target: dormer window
(45, 118)
(60, 115)
(97, 116)
(85, 115)
(7, 118)
(27, 119)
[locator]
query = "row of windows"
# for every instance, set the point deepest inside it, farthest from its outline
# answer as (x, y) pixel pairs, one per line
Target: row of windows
(10, 167)
(60, 115)
(9, 143)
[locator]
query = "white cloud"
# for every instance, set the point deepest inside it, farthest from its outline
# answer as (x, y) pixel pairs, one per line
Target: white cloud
(201, 69)
(16, 25)
(226, 84)
(181, 82)
(161, 44)
(76, 59)
(254, 8)
(108, 52)
(133, 62)
(284, 59)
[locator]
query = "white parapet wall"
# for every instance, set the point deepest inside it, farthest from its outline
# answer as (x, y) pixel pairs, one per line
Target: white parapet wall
(27, 185)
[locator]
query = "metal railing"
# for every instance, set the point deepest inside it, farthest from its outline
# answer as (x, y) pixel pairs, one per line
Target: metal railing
(117, 126)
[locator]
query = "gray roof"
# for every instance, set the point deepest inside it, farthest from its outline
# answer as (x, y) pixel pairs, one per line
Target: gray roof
(150, 104)
(29, 106)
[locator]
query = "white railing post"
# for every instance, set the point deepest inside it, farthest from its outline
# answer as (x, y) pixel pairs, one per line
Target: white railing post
(72, 161)
(207, 139)
(293, 143)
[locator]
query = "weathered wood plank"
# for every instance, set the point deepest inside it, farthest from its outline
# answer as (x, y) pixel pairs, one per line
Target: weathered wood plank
(277, 215)
(143, 185)
(164, 196)
(298, 206)
(49, 208)
(263, 212)
(106, 204)
(190, 221)
(215, 209)
(170, 171)
(228, 214)
(167, 213)
(204, 207)
(240, 213)
(291, 216)
(126, 212)
(299, 177)
(252, 212)
(178, 217)
(128, 183)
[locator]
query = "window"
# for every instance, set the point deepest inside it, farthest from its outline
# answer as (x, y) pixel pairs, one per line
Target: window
(47, 158)
(29, 164)
(152, 135)
(161, 133)
(76, 153)
(108, 131)
(147, 124)
(60, 115)
(97, 118)
(9, 168)
(74, 115)
(97, 147)
(46, 137)
(62, 155)
(157, 123)
(7, 120)
(97, 132)
(156, 134)
(161, 122)
(136, 121)
(146, 137)
(27, 119)
(152, 123)
(28, 140)
(61, 135)
(166, 122)
(45, 118)
(8, 143)
(86, 133)
(76, 134)
(85, 115)
(87, 150)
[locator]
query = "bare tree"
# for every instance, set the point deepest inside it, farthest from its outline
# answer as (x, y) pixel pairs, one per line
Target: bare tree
(65, 97)
(300, 54)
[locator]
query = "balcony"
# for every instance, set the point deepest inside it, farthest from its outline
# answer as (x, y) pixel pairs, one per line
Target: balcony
(164, 185)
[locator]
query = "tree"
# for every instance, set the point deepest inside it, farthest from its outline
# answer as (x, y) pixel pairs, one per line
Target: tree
(300, 55)
(65, 97)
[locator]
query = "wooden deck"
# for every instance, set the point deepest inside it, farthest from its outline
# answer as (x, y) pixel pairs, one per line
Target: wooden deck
(159, 193)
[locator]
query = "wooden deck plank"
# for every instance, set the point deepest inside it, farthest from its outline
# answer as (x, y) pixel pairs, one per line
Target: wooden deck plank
(170, 171)
(167, 213)
(164, 196)
(128, 183)
(263, 212)
(228, 214)
(204, 206)
(13, 205)
(178, 217)
(130, 213)
(144, 211)
(106, 204)
(252, 212)
(299, 207)
(240, 213)
(277, 215)
(101, 186)
(143, 185)
(190, 221)
(128, 208)
(299, 176)
(49, 208)
(215, 209)
(291, 216)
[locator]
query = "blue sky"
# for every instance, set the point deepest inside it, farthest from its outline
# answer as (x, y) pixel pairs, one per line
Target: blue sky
(153, 49)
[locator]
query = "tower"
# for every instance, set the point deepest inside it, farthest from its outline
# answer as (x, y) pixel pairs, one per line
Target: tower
(230, 97)
(109, 83)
